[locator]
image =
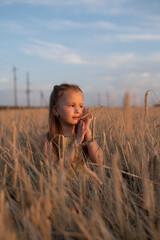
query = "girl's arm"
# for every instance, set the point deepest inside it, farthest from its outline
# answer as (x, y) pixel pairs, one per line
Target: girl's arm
(94, 150)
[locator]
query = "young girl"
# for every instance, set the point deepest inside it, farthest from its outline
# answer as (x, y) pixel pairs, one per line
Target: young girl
(65, 112)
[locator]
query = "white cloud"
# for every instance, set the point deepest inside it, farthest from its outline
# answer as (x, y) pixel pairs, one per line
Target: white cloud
(131, 37)
(128, 62)
(139, 37)
(13, 27)
(52, 51)
(145, 75)
(67, 24)
(155, 57)
(34, 2)
(66, 2)
(62, 54)
(130, 71)
(136, 81)
(117, 60)
(108, 78)
(4, 80)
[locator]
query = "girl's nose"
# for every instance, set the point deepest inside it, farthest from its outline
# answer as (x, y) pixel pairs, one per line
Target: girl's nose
(77, 109)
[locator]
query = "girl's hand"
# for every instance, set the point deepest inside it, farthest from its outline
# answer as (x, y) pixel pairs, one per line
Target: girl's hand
(83, 130)
(87, 120)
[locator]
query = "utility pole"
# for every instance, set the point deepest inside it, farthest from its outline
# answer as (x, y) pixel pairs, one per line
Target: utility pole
(15, 85)
(42, 99)
(28, 90)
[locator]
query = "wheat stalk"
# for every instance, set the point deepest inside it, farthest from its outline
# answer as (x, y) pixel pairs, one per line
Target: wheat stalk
(14, 139)
(87, 114)
(124, 172)
(146, 103)
(93, 174)
(127, 113)
(5, 174)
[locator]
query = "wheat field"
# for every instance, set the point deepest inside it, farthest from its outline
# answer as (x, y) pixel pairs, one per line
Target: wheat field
(119, 199)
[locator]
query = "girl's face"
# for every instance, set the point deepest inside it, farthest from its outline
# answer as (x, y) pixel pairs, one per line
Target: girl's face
(69, 107)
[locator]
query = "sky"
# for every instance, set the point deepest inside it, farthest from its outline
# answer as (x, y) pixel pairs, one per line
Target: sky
(106, 47)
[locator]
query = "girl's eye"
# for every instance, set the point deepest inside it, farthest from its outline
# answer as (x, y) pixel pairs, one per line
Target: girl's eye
(73, 105)
(70, 105)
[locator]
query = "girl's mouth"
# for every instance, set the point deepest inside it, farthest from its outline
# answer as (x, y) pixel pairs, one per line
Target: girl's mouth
(76, 118)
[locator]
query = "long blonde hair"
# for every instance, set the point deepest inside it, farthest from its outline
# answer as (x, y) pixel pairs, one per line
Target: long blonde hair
(54, 123)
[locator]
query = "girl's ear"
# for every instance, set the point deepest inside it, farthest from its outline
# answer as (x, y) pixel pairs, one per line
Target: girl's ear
(54, 109)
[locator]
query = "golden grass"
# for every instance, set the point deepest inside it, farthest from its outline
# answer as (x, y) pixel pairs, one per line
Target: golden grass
(117, 200)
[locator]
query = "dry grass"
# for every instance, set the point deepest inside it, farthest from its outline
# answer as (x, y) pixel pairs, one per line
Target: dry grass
(117, 200)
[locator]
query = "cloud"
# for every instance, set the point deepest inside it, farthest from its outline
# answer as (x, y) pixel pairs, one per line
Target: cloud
(62, 54)
(140, 82)
(33, 2)
(54, 52)
(128, 62)
(133, 82)
(66, 2)
(155, 57)
(115, 61)
(13, 27)
(145, 75)
(4, 80)
(67, 24)
(129, 71)
(131, 37)
(106, 6)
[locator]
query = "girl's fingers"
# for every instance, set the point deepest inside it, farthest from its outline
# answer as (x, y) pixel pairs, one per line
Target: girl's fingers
(90, 116)
(87, 116)
(81, 126)
(85, 110)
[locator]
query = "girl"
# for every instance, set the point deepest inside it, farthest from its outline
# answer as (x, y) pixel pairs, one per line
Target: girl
(65, 112)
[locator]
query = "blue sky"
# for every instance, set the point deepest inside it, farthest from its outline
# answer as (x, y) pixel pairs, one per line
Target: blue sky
(106, 47)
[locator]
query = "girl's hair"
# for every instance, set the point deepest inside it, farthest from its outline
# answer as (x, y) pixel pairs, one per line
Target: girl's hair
(54, 123)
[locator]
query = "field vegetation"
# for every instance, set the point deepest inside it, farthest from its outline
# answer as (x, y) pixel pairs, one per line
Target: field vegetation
(119, 199)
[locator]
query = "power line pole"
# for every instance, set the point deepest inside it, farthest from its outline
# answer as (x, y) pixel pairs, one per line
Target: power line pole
(15, 85)
(28, 90)
(42, 99)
